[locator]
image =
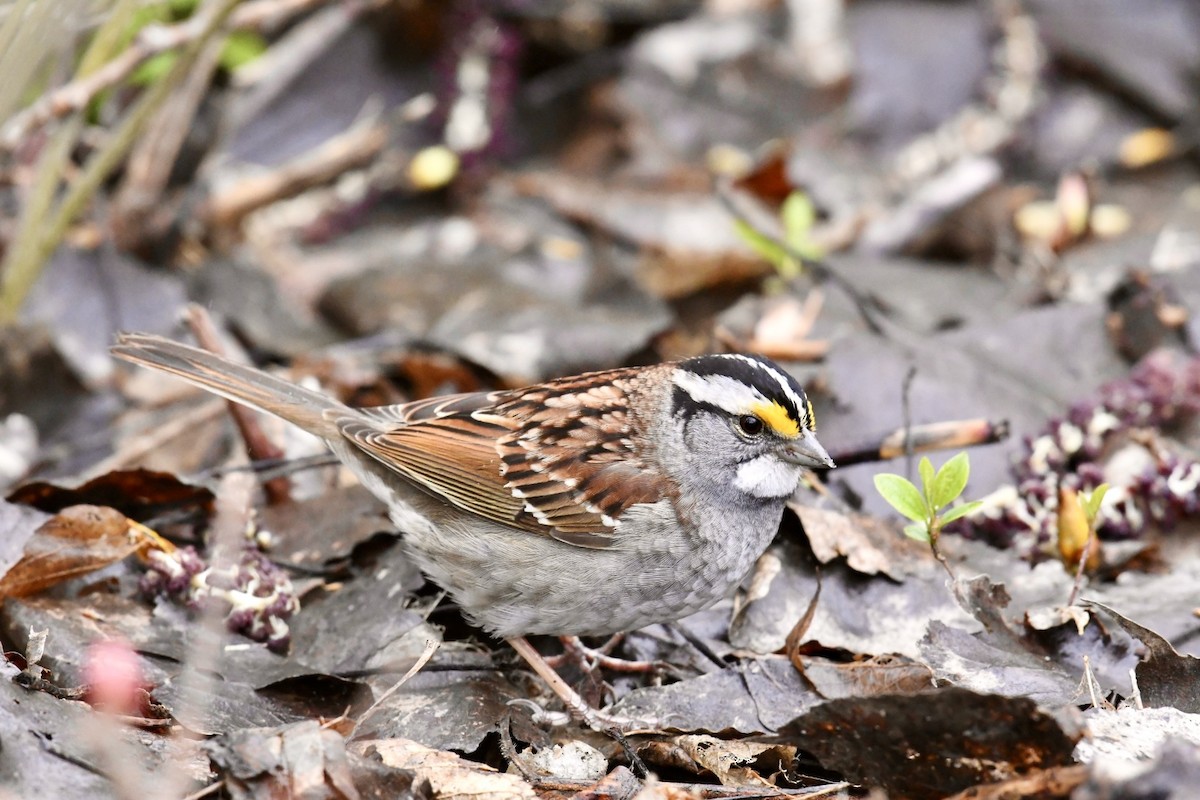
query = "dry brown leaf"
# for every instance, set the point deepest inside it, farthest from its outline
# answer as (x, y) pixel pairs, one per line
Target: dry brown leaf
(870, 545)
(450, 776)
(886, 674)
(76, 541)
(730, 761)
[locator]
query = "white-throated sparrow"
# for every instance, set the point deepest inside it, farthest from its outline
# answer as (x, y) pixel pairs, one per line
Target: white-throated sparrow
(592, 504)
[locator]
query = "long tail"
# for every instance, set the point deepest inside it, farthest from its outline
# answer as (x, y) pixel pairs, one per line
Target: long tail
(233, 381)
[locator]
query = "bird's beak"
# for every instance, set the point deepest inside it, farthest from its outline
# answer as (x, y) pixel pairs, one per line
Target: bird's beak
(808, 452)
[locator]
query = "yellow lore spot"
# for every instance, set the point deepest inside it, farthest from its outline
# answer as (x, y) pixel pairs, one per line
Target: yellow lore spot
(777, 419)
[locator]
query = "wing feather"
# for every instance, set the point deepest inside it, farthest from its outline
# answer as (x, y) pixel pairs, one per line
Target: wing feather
(556, 459)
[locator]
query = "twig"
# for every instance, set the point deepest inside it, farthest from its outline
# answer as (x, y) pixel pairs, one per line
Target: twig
(267, 77)
(906, 411)
(708, 790)
(215, 786)
(36, 683)
(155, 438)
(331, 158)
(150, 41)
(820, 270)
(1050, 782)
(695, 641)
(205, 646)
(268, 468)
(924, 439)
(1079, 569)
(1136, 696)
(21, 272)
(138, 210)
(795, 636)
(431, 646)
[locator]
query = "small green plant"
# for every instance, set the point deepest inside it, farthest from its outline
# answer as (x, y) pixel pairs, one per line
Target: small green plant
(926, 507)
(797, 216)
(241, 47)
(1077, 543)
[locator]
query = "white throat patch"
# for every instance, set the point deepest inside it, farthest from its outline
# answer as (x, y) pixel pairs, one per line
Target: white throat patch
(767, 476)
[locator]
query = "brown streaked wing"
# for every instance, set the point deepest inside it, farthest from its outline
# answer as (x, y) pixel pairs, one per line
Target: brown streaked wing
(453, 457)
(573, 460)
(554, 459)
(431, 407)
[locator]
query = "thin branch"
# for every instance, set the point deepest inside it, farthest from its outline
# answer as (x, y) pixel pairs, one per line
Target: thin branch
(864, 303)
(148, 169)
(431, 646)
(925, 438)
(20, 274)
(150, 41)
(354, 148)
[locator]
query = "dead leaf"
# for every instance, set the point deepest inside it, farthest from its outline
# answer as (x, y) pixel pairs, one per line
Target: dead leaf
(137, 493)
(933, 743)
(297, 760)
(74, 542)
(1164, 677)
(731, 761)
(450, 775)
(886, 674)
(870, 544)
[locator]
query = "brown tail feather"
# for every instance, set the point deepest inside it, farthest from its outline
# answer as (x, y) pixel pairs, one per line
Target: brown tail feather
(233, 381)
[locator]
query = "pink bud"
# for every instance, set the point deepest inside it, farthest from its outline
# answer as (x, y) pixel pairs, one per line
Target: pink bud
(113, 673)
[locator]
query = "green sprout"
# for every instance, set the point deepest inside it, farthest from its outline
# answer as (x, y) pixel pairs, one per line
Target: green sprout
(797, 215)
(927, 506)
(240, 47)
(1077, 545)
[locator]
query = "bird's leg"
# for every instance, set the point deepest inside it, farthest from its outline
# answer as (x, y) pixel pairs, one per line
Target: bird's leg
(590, 658)
(577, 707)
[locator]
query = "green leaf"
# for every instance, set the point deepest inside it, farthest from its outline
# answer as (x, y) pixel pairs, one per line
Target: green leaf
(950, 481)
(153, 69)
(925, 469)
(960, 511)
(1091, 506)
(760, 243)
(917, 531)
(140, 18)
(902, 496)
(797, 215)
(241, 47)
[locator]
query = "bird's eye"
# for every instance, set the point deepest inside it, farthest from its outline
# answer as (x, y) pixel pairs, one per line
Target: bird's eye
(750, 425)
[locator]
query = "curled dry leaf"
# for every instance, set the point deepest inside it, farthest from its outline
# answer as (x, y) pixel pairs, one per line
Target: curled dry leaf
(866, 677)
(76, 541)
(732, 762)
(870, 545)
(1165, 678)
(137, 493)
(297, 760)
(448, 774)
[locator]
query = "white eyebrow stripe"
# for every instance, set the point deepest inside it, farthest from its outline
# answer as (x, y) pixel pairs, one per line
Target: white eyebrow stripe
(781, 379)
(726, 393)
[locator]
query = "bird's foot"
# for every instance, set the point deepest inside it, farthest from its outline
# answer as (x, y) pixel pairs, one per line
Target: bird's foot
(576, 706)
(589, 659)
